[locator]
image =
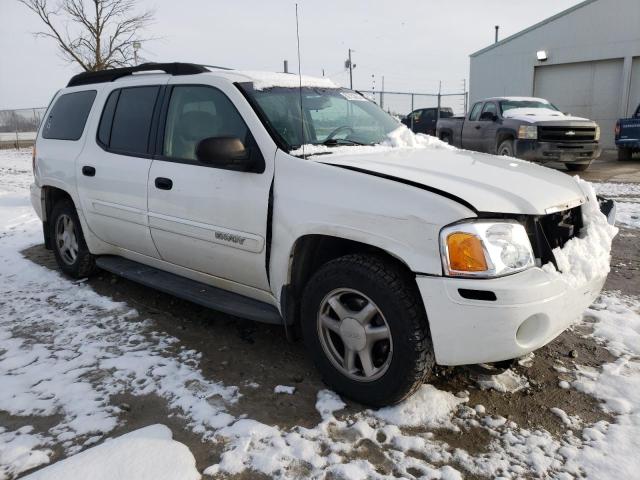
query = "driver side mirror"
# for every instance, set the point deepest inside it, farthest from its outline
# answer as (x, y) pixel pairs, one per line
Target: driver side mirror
(228, 153)
(488, 117)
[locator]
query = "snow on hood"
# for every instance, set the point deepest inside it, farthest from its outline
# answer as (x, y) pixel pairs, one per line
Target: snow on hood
(264, 80)
(532, 115)
(488, 182)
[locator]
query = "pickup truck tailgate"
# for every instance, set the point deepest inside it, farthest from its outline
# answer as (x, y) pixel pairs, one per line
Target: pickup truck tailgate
(630, 129)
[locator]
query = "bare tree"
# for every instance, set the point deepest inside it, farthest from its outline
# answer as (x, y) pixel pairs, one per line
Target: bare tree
(96, 34)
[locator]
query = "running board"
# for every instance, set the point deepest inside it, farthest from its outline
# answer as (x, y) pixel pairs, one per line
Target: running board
(187, 289)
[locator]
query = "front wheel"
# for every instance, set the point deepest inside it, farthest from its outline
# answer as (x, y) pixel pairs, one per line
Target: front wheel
(365, 327)
(506, 149)
(69, 247)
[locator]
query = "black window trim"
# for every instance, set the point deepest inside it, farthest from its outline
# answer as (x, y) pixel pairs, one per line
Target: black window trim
(156, 112)
(162, 123)
(486, 104)
(52, 105)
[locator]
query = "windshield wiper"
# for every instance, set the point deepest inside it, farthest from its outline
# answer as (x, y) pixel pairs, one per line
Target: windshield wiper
(341, 141)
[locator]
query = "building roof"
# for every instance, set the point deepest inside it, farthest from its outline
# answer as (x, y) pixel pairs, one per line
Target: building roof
(533, 27)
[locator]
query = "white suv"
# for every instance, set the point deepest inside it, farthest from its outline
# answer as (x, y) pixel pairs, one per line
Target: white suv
(292, 201)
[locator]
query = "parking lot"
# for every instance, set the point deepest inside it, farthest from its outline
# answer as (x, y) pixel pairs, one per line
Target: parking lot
(85, 361)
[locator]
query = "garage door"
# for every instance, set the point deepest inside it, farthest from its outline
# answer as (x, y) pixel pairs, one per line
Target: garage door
(586, 89)
(634, 97)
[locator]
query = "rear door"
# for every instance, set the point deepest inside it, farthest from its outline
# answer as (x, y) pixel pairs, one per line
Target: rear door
(203, 217)
(113, 169)
(471, 129)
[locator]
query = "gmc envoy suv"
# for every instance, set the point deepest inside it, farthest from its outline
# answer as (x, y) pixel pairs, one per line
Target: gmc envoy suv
(289, 200)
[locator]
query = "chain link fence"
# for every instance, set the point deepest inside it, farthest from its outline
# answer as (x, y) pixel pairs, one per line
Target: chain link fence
(401, 104)
(18, 128)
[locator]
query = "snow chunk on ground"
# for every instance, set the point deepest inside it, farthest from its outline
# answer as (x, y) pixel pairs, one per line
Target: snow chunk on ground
(628, 214)
(428, 407)
(145, 454)
(587, 257)
(21, 451)
(284, 389)
(327, 403)
(506, 382)
(264, 80)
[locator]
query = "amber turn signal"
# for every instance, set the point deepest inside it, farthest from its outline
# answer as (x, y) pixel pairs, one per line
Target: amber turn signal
(466, 253)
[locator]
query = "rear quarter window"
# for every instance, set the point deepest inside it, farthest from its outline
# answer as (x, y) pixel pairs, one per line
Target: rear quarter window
(68, 116)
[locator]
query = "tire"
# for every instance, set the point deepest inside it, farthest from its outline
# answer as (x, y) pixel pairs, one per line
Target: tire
(69, 247)
(398, 364)
(624, 154)
(577, 167)
(446, 139)
(506, 149)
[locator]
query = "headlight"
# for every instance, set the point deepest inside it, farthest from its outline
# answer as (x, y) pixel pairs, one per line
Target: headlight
(485, 249)
(597, 137)
(528, 132)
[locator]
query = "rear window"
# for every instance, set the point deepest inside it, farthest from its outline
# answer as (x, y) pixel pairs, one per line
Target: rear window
(132, 120)
(68, 116)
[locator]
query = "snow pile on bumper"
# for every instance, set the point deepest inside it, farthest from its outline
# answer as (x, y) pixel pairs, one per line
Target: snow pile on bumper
(586, 257)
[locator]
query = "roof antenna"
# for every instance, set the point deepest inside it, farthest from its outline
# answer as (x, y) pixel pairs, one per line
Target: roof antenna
(300, 81)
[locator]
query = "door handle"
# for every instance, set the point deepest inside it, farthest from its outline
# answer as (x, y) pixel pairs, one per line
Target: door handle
(477, 127)
(164, 183)
(88, 171)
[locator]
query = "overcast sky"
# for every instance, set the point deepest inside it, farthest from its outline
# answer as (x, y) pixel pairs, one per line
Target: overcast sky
(413, 43)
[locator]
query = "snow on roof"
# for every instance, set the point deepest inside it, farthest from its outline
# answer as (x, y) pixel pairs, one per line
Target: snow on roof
(263, 80)
(520, 99)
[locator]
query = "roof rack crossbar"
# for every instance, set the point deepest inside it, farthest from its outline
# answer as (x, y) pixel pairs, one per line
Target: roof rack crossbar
(102, 76)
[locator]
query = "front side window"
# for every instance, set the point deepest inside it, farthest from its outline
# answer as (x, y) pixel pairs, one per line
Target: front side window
(197, 112)
(475, 112)
(490, 107)
(329, 116)
(68, 116)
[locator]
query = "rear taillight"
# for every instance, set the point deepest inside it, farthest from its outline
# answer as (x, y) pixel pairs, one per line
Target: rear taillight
(617, 129)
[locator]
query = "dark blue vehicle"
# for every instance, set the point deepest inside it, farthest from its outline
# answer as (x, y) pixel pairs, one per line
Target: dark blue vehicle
(628, 136)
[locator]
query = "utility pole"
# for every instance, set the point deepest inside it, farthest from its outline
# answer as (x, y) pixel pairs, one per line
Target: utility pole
(382, 94)
(464, 90)
(286, 66)
(497, 29)
(439, 99)
(350, 66)
(136, 47)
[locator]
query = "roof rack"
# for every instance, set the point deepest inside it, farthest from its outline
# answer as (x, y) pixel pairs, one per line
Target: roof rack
(86, 78)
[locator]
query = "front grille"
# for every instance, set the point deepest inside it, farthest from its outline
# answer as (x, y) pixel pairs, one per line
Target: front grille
(553, 231)
(566, 134)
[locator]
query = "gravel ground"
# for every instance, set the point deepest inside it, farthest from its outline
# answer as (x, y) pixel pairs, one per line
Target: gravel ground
(238, 364)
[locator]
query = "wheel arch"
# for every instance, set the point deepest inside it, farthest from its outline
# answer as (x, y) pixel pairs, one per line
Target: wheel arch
(50, 196)
(309, 253)
(502, 135)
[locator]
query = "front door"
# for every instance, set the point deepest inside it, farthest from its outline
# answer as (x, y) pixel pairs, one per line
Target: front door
(471, 129)
(203, 217)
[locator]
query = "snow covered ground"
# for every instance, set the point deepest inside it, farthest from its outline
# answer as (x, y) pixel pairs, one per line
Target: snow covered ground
(66, 350)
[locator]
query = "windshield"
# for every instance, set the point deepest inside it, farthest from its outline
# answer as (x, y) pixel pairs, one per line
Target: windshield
(511, 104)
(332, 116)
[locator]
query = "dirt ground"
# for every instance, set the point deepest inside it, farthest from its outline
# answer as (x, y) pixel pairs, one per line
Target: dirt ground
(240, 352)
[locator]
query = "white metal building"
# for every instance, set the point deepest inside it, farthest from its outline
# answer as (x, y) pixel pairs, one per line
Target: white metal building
(592, 66)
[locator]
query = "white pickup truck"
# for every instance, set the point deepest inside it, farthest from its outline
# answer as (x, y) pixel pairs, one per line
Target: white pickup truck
(289, 200)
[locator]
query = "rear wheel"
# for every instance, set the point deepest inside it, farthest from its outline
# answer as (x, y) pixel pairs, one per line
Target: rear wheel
(577, 167)
(445, 138)
(506, 149)
(69, 247)
(624, 154)
(365, 327)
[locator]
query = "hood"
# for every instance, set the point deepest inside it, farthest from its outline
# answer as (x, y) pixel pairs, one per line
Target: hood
(487, 183)
(533, 115)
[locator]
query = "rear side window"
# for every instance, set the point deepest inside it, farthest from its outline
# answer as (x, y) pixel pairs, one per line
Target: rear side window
(126, 120)
(68, 116)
